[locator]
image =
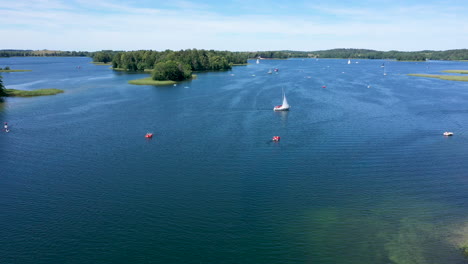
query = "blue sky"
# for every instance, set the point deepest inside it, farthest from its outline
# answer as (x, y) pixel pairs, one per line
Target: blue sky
(236, 25)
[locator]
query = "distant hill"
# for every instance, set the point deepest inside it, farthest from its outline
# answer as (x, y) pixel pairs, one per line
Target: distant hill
(456, 54)
(342, 53)
(44, 52)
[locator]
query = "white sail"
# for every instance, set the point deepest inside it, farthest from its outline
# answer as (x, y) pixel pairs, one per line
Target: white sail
(258, 61)
(285, 104)
(349, 61)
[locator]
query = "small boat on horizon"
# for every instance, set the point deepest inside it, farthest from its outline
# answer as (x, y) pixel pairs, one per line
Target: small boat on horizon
(446, 133)
(149, 135)
(349, 61)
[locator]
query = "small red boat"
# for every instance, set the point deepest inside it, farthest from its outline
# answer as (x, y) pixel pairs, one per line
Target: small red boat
(149, 135)
(276, 138)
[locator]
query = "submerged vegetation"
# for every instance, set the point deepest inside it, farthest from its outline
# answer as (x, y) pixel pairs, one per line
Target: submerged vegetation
(383, 234)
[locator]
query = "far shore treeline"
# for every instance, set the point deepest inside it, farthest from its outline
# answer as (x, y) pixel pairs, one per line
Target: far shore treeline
(455, 54)
(179, 65)
(5, 53)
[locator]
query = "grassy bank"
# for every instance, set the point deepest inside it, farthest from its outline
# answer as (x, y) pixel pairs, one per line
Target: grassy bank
(119, 69)
(149, 81)
(101, 63)
(15, 70)
(40, 92)
(122, 69)
(457, 71)
(240, 64)
(443, 77)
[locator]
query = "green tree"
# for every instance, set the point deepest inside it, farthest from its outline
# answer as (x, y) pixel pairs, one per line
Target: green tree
(171, 70)
(2, 88)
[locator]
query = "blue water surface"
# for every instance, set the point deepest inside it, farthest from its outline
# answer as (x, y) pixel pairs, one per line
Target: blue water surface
(362, 173)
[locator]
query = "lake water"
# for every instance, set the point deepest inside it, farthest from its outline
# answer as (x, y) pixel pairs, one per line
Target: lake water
(362, 173)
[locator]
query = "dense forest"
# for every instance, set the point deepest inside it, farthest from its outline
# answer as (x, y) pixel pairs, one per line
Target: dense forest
(37, 53)
(458, 54)
(198, 60)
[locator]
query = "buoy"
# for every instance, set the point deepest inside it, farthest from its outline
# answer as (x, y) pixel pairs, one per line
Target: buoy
(276, 138)
(149, 135)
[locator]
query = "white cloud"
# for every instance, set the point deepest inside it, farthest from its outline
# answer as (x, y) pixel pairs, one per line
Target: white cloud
(73, 27)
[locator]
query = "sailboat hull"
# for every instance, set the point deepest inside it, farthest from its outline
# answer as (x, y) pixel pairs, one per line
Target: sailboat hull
(281, 108)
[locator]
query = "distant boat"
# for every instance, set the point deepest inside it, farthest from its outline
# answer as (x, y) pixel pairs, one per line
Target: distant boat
(258, 61)
(448, 133)
(284, 106)
(383, 65)
(349, 61)
(270, 72)
(384, 73)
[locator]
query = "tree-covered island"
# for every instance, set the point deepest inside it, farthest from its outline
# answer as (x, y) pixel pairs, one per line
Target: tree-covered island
(169, 66)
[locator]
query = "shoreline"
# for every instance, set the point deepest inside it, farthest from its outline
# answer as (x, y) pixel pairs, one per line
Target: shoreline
(442, 77)
(15, 70)
(149, 81)
(32, 93)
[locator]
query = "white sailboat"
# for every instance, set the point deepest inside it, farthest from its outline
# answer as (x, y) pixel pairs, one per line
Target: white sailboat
(283, 107)
(258, 61)
(349, 61)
